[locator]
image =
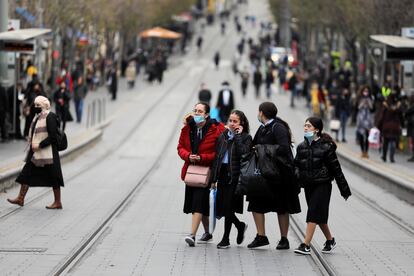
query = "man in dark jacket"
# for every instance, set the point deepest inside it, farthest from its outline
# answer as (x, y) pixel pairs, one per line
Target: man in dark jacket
(204, 95)
(257, 80)
(112, 82)
(80, 92)
(225, 102)
(32, 92)
(342, 112)
(61, 98)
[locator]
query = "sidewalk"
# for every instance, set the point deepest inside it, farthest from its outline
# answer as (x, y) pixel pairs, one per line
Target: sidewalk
(13, 152)
(396, 177)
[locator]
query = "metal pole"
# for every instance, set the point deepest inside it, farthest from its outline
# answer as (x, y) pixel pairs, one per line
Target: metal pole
(284, 24)
(4, 21)
(14, 130)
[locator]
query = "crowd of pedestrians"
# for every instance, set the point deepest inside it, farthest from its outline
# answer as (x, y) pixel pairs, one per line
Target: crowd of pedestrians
(264, 169)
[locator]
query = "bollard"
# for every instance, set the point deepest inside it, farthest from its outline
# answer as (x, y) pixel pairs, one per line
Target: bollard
(99, 111)
(104, 109)
(88, 118)
(93, 113)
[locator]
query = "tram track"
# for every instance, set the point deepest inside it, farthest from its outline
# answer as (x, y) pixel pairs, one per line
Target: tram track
(78, 253)
(100, 159)
(318, 258)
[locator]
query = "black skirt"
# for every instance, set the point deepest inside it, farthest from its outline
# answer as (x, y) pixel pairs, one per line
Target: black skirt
(197, 200)
(317, 198)
(227, 203)
(283, 200)
(34, 176)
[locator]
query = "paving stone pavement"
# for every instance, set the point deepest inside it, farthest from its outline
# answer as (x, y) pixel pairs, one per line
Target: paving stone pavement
(146, 238)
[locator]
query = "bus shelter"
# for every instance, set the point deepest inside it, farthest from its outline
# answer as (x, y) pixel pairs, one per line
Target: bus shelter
(18, 42)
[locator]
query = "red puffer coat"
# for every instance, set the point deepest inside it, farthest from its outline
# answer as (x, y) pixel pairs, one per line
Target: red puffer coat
(206, 149)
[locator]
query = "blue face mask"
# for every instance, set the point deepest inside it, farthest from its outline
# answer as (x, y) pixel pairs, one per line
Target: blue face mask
(310, 135)
(198, 119)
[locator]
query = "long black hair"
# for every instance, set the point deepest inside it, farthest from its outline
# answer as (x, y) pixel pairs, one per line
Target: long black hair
(317, 123)
(270, 111)
(243, 120)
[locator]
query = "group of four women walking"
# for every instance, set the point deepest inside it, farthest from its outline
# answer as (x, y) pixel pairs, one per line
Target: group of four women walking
(206, 142)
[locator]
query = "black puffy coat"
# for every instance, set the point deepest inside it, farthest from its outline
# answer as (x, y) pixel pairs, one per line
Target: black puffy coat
(317, 163)
(241, 144)
(285, 188)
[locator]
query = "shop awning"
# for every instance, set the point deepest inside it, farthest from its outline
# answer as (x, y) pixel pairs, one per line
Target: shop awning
(23, 34)
(395, 47)
(159, 32)
(394, 41)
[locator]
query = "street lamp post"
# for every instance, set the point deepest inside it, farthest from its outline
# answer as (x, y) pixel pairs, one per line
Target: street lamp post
(4, 18)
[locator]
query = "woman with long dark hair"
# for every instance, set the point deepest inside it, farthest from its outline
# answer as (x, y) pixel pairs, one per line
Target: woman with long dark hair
(284, 200)
(231, 145)
(316, 165)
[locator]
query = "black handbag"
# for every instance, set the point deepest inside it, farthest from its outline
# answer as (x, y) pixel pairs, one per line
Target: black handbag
(61, 139)
(251, 181)
(267, 161)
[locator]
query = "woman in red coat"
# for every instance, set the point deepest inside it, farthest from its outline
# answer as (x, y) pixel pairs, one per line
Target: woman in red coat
(197, 145)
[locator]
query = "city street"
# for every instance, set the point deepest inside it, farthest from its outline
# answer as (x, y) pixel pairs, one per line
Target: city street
(123, 197)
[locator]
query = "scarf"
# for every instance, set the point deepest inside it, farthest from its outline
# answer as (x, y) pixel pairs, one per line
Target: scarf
(44, 156)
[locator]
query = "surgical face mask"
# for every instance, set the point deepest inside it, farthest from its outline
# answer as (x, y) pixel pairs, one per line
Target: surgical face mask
(198, 119)
(37, 110)
(310, 135)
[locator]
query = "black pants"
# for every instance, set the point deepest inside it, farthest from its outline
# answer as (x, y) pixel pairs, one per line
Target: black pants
(363, 140)
(392, 144)
(244, 88)
(228, 221)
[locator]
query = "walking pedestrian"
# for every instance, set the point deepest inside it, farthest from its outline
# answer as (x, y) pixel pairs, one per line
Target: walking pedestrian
(365, 119)
(223, 28)
(204, 95)
(293, 81)
(342, 112)
(112, 82)
(269, 81)
(225, 102)
(317, 165)
(197, 146)
(284, 199)
(131, 74)
(199, 43)
(244, 80)
(390, 122)
(80, 92)
(257, 81)
(61, 98)
(20, 94)
(42, 167)
(217, 59)
(29, 111)
(231, 145)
